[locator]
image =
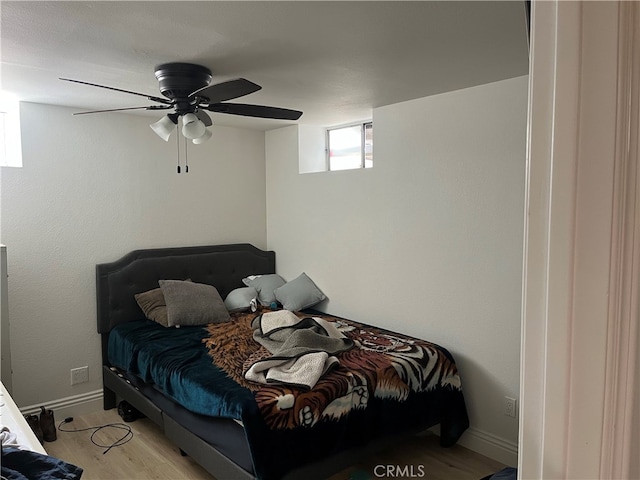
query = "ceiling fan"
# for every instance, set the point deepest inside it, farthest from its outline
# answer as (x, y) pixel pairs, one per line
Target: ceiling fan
(188, 92)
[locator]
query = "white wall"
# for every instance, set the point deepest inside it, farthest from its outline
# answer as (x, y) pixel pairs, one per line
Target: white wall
(428, 242)
(91, 189)
(5, 344)
(312, 147)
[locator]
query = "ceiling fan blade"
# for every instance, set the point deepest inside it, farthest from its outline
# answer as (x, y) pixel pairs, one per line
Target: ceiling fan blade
(150, 107)
(204, 118)
(229, 90)
(149, 97)
(255, 111)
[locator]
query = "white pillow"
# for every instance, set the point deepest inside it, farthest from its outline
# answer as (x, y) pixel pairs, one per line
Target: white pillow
(240, 299)
(265, 285)
(299, 294)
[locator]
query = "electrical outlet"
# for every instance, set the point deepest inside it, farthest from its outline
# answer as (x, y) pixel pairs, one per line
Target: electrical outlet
(79, 375)
(510, 406)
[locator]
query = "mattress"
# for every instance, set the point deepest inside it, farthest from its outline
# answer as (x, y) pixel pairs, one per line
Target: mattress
(191, 366)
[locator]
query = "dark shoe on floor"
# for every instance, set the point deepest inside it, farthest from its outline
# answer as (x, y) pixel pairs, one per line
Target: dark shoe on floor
(34, 423)
(48, 425)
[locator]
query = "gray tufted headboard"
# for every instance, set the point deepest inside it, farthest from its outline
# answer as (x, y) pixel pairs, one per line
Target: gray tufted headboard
(223, 266)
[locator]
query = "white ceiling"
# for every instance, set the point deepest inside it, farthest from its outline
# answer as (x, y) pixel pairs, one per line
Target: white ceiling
(334, 60)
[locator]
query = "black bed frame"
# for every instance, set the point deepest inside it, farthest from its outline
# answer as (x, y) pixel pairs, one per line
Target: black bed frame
(222, 266)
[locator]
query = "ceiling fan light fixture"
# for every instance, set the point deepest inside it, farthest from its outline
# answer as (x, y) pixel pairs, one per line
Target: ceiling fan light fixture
(164, 127)
(192, 127)
(188, 91)
(203, 138)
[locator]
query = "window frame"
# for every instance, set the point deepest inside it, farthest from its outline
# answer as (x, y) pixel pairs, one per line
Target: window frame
(363, 127)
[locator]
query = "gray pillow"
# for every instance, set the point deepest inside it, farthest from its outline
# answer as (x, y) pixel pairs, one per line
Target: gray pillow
(240, 299)
(190, 303)
(265, 285)
(153, 306)
(299, 294)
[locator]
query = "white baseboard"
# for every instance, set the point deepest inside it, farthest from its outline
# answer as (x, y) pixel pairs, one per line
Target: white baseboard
(69, 406)
(492, 446)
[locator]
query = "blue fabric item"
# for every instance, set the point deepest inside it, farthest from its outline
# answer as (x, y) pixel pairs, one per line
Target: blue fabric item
(175, 360)
(27, 465)
(507, 473)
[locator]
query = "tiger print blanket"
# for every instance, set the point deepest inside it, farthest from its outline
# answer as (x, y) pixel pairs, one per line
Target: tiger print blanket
(382, 365)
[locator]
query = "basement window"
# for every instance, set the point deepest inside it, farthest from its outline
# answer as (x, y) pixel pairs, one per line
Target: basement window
(10, 140)
(350, 147)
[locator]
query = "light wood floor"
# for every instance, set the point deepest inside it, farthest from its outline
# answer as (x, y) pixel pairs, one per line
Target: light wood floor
(149, 455)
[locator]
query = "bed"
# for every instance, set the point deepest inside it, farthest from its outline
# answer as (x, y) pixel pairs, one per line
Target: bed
(193, 381)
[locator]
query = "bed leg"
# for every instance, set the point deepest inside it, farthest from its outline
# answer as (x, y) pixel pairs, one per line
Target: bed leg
(108, 398)
(183, 453)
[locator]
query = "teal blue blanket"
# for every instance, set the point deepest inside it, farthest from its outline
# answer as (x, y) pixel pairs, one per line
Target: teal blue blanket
(177, 362)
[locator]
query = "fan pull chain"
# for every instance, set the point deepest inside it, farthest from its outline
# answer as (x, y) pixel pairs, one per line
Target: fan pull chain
(178, 147)
(186, 157)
